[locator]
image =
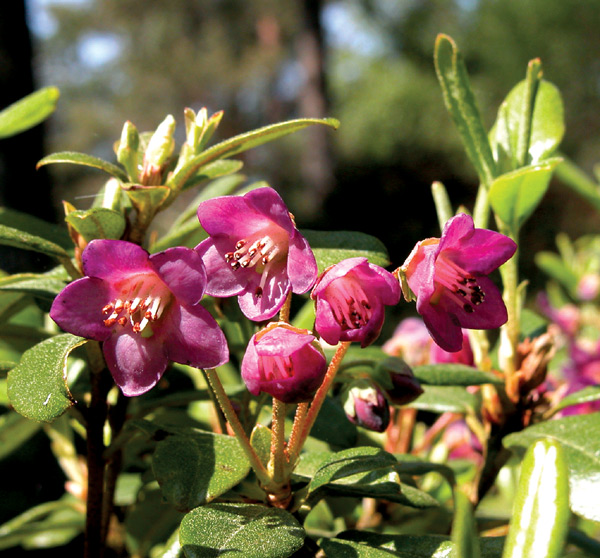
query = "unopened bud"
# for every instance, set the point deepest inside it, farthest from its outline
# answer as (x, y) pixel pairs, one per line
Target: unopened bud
(160, 147)
(127, 150)
(405, 387)
(365, 405)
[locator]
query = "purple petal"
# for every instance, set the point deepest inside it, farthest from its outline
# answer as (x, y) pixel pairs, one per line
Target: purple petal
(78, 308)
(334, 272)
(135, 362)
(192, 336)
(325, 323)
(442, 326)
(301, 265)
(269, 203)
(113, 259)
(379, 282)
(281, 341)
(183, 272)
(223, 281)
(420, 270)
(269, 303)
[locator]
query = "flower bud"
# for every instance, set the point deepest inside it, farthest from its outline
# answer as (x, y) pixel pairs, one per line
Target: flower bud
(365, 405)
(405, 387)
(127, 150)
(160, 147)
(284, 361)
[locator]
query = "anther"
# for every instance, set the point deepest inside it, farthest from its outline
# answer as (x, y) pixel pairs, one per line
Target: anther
(240, 244)
(468, 308)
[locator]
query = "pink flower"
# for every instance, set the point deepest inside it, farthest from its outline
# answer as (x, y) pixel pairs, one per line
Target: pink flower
(144, 309)
(464, 356)
(254, 252)
(365, 405)
(284, 361)
(448, 275)
(350, 298)
(411, 342)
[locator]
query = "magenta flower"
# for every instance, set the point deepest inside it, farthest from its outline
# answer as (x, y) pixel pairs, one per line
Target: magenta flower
(144, 309)
(464, 356)
(365, 405)
(350, 298)
(448, 275)
(285, 362)
(254, 252)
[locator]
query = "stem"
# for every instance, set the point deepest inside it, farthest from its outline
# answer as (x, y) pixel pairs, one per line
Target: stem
(218, 412)
(277, 460)
(442, 203)
(301, 410)
(510, 330)
(317, 402)
(284, 313)
(231, 416)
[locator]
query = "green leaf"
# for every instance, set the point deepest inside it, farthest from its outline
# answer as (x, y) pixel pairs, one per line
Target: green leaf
(146, 198)
(579, 437)
(216, 169)
(98, 222)
(461, 104)
(20, 239)
(449, 374)
(243, 142)
(446, 399)
(35, 227)
(260, 439)
(413, 466)
(515, 195)
(15, 430)
(573, 177)
(332, 425)
(586, 395)
(364, 544)
(365, 472)
(553, 265)
(540, 516)
(333, 247)
(247, 530)
(28, 111)
(464, 533)
(37, 387)
(193, 470)
(37, 284)
(76, 158)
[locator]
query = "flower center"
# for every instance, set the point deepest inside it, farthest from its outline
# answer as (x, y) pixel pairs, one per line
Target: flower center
(461, 286)
(276, 367)
(350, 304)
(142, 301)
(259, 251)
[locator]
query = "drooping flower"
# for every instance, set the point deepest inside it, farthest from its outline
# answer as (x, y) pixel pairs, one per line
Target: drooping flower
(365, 405)
(449, 276)
(254, 252)
(144, 309)
(350, 298)
(284, 361)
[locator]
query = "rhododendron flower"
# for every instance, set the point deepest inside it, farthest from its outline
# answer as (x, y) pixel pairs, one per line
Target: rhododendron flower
(254, 252)
(284, 361)
(449, 276)
(350, 298)
(144, 309)
(411, 342)
(464, 356)
(365, 405)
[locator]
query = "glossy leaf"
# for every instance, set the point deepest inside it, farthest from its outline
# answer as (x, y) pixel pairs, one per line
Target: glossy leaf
(28, 111)
(76, 158)
(585, 395)
(449, 374)
(243, 142)
(515, 195)
(331, 247)
(193, 470)
(446, 399)
(98, 222)
(461, 104)
(247, 530)
(364, 544)
(37, 284)
(216, 169)
(540, 517)
(37, 387)
(579, 437)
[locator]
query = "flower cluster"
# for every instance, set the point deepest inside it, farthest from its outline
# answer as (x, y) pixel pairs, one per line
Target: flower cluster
(146, 311)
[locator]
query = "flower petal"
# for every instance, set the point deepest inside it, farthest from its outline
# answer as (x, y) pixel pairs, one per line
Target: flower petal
(192, 336)
(113, 259)
(325, 323)
(443, 327)
(78, 308)
(301, 265)
(223, 281)
(268, 304)
(135, 362)
(183, 272)
(269, 203)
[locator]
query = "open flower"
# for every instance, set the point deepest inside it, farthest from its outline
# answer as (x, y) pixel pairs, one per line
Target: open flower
(448, 275)
(284, 361)
(144, 309)
(254, 252)
(350, 298)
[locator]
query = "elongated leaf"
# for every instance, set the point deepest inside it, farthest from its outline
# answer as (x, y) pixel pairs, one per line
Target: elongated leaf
(37, 387)
(449, 374)
(26, 241)
(28, 112)
(194, 470)
(247, 530)
(540, 517)
(464, 534)
(553, 265)
(515, 195)
(333, 247)
(413, 466)
(461, 104)
(579, 437)
(34, 226)
(243, 142)
(573, 177)
(14, 431)
(98, 222)
(216, 169)
(37, 284)
(446, 399)
(76, 158)
(586, 395)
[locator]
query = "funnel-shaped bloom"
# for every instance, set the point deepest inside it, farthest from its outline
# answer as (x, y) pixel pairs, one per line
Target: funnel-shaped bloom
(350, 298)
(449, 278)
(254, 252)
(144, 309)
(285, 362)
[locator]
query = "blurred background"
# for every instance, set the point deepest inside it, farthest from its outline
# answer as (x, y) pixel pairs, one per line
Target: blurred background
(366, 62)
